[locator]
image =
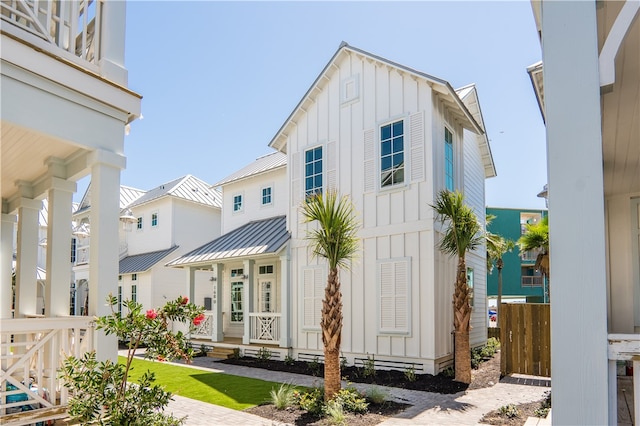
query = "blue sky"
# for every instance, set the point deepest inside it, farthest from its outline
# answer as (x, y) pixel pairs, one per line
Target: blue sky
(218, 79)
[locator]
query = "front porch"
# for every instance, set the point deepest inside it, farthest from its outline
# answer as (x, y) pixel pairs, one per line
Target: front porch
(264, 329)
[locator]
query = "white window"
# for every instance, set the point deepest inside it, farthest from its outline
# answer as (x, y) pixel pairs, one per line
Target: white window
(134, 277)
(394, 303)
(314, 282)
(154, 219)
(267, 196)
(237, 203)
(313, 171)
(119, 299)
(265, 269)
(266, 296)
(134, 293)
(392, 154)
(139, 225)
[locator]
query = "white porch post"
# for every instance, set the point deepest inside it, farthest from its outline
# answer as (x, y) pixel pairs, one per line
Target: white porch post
(218, 335)
(247, 300)
(60, 198)
(103, 257)
(191, 281)
(574, 153)
(6, 239)
(27, 257)
(112, 42)
(285, 301)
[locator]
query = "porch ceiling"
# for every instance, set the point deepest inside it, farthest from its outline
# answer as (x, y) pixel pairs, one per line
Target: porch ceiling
(23, 155)
(621, 108)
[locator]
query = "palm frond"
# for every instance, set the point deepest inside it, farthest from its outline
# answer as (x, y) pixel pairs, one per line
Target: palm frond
(463, 231)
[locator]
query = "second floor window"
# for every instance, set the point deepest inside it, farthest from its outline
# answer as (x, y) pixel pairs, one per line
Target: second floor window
(266, 196)
(74, 243)
(139, 225)
(448, 160)
(154, 220)
(313, 171)
(237, 203)
(392, 154)
(134, 293)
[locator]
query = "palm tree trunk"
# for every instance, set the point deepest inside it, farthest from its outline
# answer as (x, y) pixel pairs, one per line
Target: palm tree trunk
(462, 324)
(331, 325)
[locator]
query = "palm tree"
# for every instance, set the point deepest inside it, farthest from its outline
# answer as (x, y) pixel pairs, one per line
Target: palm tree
(334, 239)
(497, 246)
(462, 234)
(536, 237)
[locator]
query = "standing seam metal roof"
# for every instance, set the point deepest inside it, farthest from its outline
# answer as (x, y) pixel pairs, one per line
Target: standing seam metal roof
(143, 262)
(261, 165)
(188, 187)
(254, 238)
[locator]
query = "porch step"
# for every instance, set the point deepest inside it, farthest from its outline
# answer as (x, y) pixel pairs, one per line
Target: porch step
(223, 353)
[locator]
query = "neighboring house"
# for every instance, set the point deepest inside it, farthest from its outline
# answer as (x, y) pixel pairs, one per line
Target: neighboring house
(587, 87)
(65, 104)
(242, 277)
(390, 137)
(156, 226)
(520, 281)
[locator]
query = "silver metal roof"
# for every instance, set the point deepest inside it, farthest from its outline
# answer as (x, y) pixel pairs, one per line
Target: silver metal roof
(143, 262)
(127, 196)
(254, 238)
(188, 187)
(262, 164)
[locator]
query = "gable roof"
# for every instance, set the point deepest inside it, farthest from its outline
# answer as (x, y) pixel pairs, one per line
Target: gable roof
(446, 93)
(469, 95)
(188, 187)
(142, 262)
(262, 164)
(127, 196)
(266, 236)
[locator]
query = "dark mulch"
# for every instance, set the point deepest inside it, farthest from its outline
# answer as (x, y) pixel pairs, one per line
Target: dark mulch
(393, 378)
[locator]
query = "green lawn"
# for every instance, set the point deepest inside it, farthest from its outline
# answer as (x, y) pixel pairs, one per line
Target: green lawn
(233, 392)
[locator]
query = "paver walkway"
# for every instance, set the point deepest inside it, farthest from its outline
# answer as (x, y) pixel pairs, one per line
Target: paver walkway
(464, 408)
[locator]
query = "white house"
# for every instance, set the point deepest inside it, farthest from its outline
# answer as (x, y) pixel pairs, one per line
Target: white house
(156, 226)
(588, 90)
(390, 137)
(65, 104)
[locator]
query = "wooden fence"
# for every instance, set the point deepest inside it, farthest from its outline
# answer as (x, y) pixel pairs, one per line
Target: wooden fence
(525, 339)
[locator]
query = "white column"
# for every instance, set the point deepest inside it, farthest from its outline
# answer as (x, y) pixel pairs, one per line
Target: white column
(27, 257)
(6, 258)
(103, 257)
(285, 301)
(576, 213)
(59, 198)
(112, 41)
(247, 300)
(217, 301)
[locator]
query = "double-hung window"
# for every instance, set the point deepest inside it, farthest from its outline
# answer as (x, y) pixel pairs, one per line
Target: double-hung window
(448, 160)
(392, 154)
(154, 220)
(266, 195)
(134, 293)
(139, 224)
(237, 203)
(313, 171)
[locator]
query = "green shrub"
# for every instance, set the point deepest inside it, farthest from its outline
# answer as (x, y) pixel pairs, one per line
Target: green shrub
(311, 401)
(510, 410)
(449, 372)
(343, 363)
(314, 366)
(335, 413)
(369, 366)
(288, 360)
(264, 354)
(351, 400)
(410, 373)
(545, 406)
(282, 397)
(377, 395)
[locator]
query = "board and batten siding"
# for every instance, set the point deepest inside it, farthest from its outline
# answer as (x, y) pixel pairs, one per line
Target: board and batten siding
(398, 245)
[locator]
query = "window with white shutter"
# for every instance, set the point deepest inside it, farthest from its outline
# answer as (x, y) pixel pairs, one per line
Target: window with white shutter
(394, 301)
(313, 282)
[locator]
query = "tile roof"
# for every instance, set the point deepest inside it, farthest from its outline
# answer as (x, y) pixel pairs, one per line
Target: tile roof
(254, 238)
(187, 187)
(262, 164)
(143, 262)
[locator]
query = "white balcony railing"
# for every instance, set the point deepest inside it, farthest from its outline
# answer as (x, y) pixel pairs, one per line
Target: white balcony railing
(32, 351)
(623, 347)
(264, 328)
(72, 26)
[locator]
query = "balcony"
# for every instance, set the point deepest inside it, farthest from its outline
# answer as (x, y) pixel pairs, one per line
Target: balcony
(32, 350)
(68, 29)
(532, 281)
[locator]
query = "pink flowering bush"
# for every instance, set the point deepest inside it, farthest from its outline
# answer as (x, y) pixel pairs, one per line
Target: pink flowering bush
(101, 391)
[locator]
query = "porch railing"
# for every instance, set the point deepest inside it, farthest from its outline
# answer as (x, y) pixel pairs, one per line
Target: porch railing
(264, 328)
(31, 352)
(205, 329)
(623, 347)
(71, 26)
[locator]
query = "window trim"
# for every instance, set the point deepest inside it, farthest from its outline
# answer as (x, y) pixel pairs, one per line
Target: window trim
(240, 210)
(448, 128)
(240, 285)
(156, 214)
(406, 150)
(139, 224)
(134, 292)
(262, 189)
